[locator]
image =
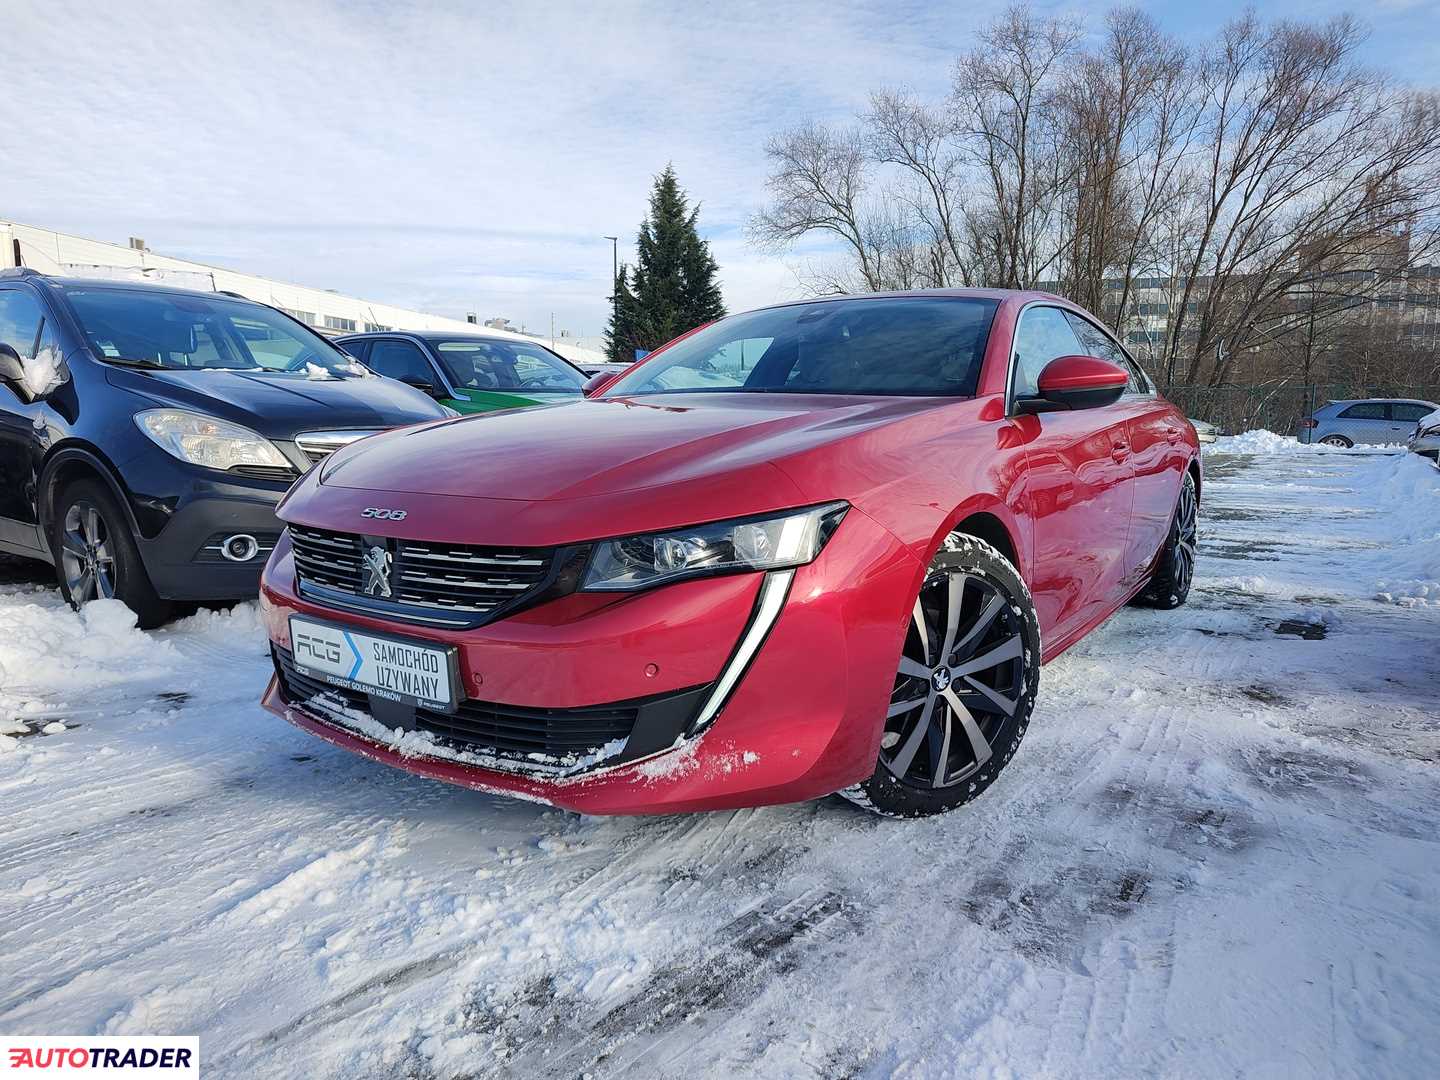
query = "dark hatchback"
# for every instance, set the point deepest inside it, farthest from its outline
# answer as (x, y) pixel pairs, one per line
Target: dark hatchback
(147, 433)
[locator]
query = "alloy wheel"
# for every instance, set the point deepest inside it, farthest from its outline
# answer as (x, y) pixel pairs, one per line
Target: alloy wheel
(85, 554)
(1185, 515)
(961, 677)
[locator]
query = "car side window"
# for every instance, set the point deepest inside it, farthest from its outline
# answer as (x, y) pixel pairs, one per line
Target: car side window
(355, 348)
(1365, 410)
(1044, 333)
(21, 317)
(1405, 410)
(401, 360)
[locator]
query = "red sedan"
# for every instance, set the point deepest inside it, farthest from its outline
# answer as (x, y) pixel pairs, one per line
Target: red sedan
(819, 547)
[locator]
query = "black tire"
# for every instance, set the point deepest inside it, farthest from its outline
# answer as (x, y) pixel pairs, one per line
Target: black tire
(995, 617)
(96, 556)
(1337, 440)
(1175, 564)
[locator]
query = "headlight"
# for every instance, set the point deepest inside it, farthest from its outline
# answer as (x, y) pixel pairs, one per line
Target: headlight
(791, 538)
(1428, 433)
(205, 440)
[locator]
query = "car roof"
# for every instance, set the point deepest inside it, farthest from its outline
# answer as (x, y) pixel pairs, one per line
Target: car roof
(440, 335)
(1380, 401)
(70, 284)
(904, 294)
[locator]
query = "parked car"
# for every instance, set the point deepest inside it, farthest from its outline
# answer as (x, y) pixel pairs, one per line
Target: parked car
(836, 565)
(470, 372)
(147, 433)
(1206, 433)
(1364, 421)
(1425, 439)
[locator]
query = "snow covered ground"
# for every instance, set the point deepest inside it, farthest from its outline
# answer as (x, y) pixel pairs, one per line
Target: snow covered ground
(1215, 855)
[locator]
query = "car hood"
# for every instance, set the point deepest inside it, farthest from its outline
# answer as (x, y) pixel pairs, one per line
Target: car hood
(608, 445)
(279, 404)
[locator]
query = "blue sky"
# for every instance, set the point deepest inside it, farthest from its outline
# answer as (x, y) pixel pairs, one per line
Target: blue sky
(460, 157)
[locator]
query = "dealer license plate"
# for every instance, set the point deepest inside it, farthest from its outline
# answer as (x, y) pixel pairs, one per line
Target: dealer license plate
(388, 667)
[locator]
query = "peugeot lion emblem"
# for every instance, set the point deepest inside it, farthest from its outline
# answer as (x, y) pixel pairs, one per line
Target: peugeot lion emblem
(377, 571)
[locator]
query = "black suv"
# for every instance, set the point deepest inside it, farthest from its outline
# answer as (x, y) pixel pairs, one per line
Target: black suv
(147, 433)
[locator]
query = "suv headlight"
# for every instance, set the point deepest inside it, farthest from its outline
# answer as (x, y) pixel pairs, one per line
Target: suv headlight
(208, 441)
(789, 538)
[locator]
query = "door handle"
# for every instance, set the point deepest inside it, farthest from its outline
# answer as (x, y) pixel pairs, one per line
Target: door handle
(1172, 433)
(1119, 452)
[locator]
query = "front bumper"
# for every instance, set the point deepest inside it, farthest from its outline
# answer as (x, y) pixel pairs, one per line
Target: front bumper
(799, 715)
(183, 558)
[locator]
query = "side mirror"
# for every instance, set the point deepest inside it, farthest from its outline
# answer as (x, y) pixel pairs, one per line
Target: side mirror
(12, 371)
(596, 383)
(1076, 382)
(420, 384)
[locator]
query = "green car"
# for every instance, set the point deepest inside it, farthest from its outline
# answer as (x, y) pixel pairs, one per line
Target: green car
(469, 372)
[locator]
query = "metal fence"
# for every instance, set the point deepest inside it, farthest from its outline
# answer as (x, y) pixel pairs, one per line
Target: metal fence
(1276, 408)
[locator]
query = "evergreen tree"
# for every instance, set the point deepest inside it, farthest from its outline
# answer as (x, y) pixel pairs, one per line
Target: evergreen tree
(620, 335)
(672, 287)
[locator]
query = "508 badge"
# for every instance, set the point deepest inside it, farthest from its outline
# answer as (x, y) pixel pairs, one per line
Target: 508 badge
(383, 514)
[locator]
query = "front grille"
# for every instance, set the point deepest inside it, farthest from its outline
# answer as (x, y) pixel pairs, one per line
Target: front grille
(318, 445)
(515, 733)
(281, 473)
(471, 583)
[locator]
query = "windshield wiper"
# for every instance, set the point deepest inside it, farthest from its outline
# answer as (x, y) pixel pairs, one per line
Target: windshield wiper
(129, 361)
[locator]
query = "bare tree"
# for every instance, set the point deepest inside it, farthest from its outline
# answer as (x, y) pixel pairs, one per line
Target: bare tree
(1261, 198)
(1004, 96)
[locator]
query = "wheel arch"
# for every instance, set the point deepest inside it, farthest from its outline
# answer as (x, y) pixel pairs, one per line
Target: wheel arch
(984, 525)
(1195, 474)
(74, 461)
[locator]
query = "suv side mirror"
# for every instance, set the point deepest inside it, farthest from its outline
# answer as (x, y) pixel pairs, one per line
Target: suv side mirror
(595, 383)
(420, 384)
(1076, 382)
(12, 372)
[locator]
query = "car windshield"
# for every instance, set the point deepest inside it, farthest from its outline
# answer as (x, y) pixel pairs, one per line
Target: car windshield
(490, 364)
(201, 332)
(920, 346)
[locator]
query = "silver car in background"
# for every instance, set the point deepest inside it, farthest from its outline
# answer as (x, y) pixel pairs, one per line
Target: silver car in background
(1364, 421)
(1425, 439)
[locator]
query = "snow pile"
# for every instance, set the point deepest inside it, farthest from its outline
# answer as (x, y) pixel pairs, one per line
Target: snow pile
(96, 646)
(44, 646)
(239, 628)
(1407, 489)
(45, 371)
(1260, 441)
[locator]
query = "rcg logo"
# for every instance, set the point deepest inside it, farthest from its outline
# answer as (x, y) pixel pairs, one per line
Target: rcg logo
(380, 513)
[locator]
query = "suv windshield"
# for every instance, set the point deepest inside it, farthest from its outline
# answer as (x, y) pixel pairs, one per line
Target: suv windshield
(503, 365)
(909, 346)
(175, 331)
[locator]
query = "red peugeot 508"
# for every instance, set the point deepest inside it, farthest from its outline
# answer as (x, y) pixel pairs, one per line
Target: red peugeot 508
(819, 547)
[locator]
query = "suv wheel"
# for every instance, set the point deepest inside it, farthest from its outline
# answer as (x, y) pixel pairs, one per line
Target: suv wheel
(1337, 440)
(967, 679)
(96, 557)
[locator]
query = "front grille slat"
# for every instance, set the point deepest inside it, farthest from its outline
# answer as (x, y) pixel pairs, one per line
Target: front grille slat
(513, 733)
(470, 584)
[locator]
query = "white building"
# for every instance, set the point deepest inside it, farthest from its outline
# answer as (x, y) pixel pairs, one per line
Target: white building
(329, 312)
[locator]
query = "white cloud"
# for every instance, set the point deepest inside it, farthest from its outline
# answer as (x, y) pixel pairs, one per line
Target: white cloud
(459, 157)
(453, 156)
